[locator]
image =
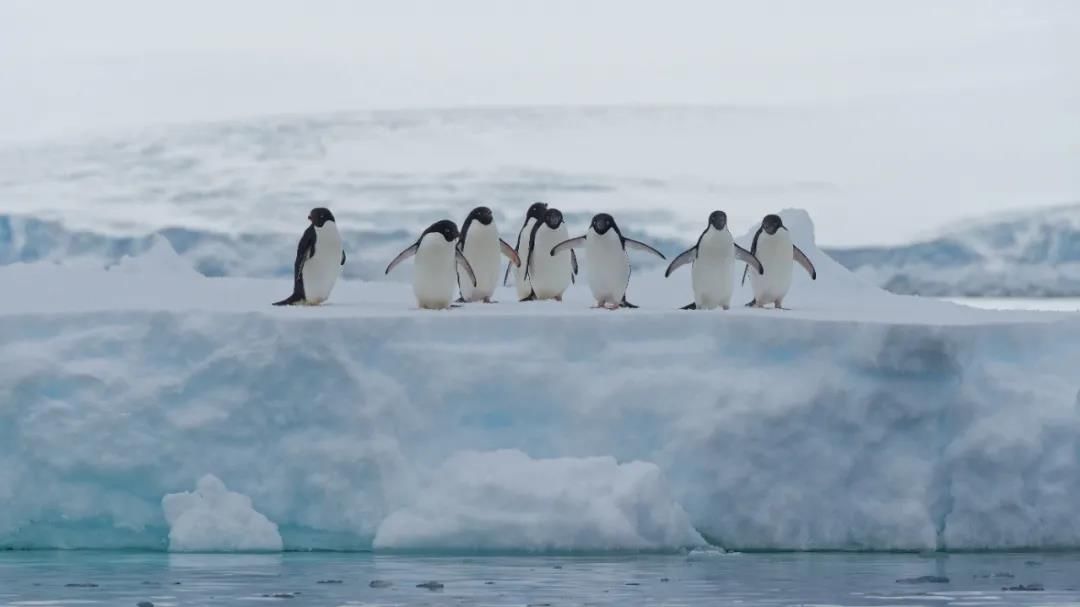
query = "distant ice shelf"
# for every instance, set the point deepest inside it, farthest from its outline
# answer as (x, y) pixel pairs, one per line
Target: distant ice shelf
(859, 420)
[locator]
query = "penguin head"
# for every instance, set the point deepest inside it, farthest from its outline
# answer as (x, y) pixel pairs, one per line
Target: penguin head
(320, 215)
(718, 220)
(445, 228)
(553, 218)
(771, 224)
(602, 222)
(481, 214)
(536, 211)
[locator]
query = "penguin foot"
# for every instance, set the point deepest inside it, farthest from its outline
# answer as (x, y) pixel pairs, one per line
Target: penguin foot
(530, 297)
(611, 306)
(726, 307)
(558, 298)
(489, 300)
(689, 306)
(460, 300)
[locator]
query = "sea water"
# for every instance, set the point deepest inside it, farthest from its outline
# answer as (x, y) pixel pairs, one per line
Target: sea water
(696, 578)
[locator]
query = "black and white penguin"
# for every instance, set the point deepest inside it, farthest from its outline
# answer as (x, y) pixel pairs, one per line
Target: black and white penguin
(713, 270)
(773, 248)
(436, 254)
(607, 264)
(549, 275)
(481, 245)
(319, 258)
(532, 217)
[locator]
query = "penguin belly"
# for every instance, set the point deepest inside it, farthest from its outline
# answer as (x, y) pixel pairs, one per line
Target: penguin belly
(607, 266)
(713, 271)
(550, 275)
(523, 286)
(776, 255)
(434, 277)
(482, 251)
(323, 269)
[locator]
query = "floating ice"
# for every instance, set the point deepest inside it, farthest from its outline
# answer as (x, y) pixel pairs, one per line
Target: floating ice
(214, 519)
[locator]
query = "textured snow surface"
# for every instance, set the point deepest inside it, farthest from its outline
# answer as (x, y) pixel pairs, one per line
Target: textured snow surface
(214, 519)
(857, 420)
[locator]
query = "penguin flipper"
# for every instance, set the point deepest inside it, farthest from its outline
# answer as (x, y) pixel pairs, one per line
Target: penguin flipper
(573, 264)
(690, 306)
(532, 247)
(749, 258)
(402, 256)
(510, 254)
(745, 271)
(626, 304)
(304, 252)
(506, 276)
(343, 257)
(681, 260)
(464, 263)
(567, 244)
(530, 297)
(641, 246)
(804, 261)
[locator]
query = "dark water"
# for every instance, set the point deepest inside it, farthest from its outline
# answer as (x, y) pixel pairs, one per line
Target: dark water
(104, 578)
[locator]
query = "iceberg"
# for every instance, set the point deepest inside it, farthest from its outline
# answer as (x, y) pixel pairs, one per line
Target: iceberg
(858, 420)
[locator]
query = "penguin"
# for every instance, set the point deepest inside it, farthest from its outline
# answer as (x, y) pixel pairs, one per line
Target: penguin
(548, 276)
(532, 216)
(319, 258)
(481, 245)
(436, 252)
(713, 259)
(606, 260)
(773, 247)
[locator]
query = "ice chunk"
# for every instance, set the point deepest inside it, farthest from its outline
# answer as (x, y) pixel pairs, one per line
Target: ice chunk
(214, 519)
(506, 500)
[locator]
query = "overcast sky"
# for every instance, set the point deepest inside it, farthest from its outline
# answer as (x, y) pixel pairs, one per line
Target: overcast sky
(75, 66)
(78, 64)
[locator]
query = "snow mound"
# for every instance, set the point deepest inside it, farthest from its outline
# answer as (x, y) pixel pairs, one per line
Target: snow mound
(1035, 253)
(159, 258)
(214, 519)
(505, 500)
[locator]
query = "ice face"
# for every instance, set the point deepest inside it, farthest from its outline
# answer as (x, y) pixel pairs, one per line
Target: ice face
(856, 420)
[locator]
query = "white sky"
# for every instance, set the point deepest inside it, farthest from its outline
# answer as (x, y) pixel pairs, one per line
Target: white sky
(74, 66)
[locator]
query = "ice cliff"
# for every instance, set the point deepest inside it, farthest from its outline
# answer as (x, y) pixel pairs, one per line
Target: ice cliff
(858, 420)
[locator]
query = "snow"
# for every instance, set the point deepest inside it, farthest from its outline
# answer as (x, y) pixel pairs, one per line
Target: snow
(505, 500)
(214, 519)
(857, 420)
